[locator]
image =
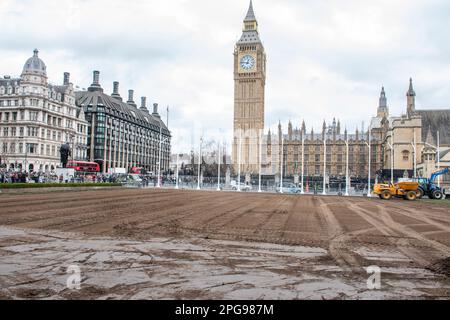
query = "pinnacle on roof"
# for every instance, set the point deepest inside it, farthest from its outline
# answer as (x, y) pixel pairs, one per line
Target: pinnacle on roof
(430, 138)
(383, 99)
(411, 91)
(250, 14)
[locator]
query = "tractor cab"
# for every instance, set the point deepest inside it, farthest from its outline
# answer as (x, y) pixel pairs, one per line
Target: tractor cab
(428, 187)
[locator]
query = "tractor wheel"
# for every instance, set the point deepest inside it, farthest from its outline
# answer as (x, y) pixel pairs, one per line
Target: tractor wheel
(437, 194)
(411, 195)
(386, 195)
(420, 193)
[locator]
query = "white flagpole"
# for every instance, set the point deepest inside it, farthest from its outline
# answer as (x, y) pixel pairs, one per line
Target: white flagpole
(260, 158)
(303, 164)
(347, 173)
(439, 157)
(178, 160)
(199, 163)
(218, 174)
(282, 163)
(325, 167)
(240, 159)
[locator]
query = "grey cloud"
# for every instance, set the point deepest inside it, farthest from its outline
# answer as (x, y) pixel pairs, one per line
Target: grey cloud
(326, 58)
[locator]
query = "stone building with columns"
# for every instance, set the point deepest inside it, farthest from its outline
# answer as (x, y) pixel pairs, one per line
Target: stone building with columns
(123, 134)
(36, 118)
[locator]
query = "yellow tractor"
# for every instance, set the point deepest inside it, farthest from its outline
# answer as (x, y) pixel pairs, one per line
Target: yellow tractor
(405, 190)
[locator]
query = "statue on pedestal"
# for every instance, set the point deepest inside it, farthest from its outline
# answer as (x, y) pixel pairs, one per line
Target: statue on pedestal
(65, 154)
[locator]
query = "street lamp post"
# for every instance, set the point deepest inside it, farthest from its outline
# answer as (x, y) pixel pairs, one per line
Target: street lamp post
(392, 161)
(161, 141)
(324, 167)
(178, 160)
(303, 164)
(414, 146)
(369, 189)
(347, 174)
(199, 163)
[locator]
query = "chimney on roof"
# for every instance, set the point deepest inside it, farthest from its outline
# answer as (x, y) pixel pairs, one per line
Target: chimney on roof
(95, 86)
(131, 98)
(155, 110)
(144, 104)
(96, 79)
(66, 78)
(130, 95)
(116, 93)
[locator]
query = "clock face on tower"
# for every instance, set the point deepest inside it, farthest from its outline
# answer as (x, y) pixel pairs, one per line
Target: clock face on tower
(247, 62)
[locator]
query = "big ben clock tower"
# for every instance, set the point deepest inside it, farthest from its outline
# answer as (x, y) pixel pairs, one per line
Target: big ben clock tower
(249, 86)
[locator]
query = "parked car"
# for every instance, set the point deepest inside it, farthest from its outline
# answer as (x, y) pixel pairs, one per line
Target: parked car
(289, 188)
(243, 186)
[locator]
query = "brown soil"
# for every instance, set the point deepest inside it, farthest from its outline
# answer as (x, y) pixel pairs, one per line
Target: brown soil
(404, 238)
(420, 231)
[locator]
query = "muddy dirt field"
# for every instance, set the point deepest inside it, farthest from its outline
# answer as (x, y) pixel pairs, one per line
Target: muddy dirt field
(153, 244)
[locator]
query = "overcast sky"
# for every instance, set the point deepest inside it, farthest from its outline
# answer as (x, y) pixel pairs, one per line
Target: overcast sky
(326, 58)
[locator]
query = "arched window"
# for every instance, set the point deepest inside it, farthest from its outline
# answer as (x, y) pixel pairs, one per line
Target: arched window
(2, 90)
(405, 155)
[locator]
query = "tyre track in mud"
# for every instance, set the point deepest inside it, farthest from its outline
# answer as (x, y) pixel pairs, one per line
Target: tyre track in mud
(383, 221)
(335, 223)
(339, 240)
(145, 221)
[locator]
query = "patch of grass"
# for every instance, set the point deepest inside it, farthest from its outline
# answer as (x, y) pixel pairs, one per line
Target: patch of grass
(55, 185)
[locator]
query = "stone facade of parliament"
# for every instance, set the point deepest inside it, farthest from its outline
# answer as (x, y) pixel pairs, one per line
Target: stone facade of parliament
(421, 126)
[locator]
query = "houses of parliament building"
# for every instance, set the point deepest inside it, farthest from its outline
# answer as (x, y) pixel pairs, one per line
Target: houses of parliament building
(410, 135)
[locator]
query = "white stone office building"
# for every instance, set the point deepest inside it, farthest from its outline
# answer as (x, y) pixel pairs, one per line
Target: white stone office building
(36, 118)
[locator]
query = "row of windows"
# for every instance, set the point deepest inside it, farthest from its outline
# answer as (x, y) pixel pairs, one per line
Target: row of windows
(33, 90)
(37, 103)
(34, 132)
(33, 116)
(120, 117)
(30, 149)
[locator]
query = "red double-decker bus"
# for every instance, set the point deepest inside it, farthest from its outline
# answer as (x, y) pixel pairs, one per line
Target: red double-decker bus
(81, 166)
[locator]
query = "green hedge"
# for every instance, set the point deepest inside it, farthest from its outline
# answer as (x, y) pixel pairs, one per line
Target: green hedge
(55, 185)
